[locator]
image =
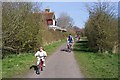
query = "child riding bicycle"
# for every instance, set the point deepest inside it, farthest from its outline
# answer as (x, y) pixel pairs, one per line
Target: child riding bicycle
(41, 55)
(70, 42)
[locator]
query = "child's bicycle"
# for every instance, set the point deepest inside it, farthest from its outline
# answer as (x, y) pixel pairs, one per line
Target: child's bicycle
(69, 47)
(40, 67)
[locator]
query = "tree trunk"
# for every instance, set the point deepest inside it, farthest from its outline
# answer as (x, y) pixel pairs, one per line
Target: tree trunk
(115, 48)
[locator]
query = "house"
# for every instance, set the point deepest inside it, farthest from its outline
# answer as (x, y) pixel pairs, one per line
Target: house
(51, 20)
(49, 17)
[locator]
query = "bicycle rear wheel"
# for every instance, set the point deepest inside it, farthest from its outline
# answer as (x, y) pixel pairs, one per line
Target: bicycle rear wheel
(41, 65)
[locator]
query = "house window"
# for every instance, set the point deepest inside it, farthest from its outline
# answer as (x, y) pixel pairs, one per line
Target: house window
(50, 22)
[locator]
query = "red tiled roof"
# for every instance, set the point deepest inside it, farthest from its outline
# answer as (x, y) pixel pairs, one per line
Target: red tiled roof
(47, 15)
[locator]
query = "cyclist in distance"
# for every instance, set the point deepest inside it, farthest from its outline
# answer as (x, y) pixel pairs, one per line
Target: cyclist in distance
(70, 42)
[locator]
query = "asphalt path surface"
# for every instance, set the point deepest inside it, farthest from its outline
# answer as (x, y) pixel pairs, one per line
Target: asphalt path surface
(61, 64)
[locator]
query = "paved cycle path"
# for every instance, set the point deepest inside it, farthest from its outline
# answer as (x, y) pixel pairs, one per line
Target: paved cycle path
(60, 64)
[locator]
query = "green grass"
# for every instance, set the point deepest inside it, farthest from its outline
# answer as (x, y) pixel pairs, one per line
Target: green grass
(0, 69)
(96, 65)
(52, 47)
(18, 64)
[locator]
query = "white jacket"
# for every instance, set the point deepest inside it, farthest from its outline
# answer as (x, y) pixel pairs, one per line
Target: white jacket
(41, 55)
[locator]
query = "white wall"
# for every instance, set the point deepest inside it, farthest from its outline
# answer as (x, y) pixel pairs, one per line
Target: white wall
(53, 22)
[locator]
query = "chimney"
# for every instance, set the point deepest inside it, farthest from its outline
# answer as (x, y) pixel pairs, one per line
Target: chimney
(47, 10)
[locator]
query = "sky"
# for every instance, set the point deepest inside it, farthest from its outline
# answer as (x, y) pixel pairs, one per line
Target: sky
(76, 10)
(59, 0)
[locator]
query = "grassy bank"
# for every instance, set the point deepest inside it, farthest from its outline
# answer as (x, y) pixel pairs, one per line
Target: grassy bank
(95, 65)
(19, 64)
(0, 69)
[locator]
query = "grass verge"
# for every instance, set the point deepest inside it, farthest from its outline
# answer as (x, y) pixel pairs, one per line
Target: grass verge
(0, 69)
(18, 64)
(52, 47)
(95, 65)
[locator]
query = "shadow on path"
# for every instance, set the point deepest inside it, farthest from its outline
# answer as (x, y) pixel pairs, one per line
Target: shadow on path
(35, 67)
(66, 50)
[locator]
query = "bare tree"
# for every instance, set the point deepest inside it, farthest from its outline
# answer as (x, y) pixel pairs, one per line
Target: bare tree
(65, 21)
